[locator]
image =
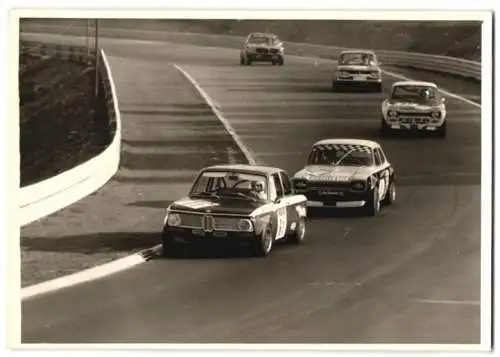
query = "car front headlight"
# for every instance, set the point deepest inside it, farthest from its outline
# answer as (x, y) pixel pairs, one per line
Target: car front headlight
(359, 185)
(245, 225)
(173, 219)
(436, 114)
(300, 184)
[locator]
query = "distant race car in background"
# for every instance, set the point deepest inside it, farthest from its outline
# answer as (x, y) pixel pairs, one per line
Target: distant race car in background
(414, 106)
(262, 47)
(237, 204)
(347, 173)
(359, 69)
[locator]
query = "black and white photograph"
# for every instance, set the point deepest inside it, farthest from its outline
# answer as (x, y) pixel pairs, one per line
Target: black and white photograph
(251, 177)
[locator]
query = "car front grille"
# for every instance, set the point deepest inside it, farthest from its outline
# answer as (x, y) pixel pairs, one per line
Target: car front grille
(220, 223)
(261, 50)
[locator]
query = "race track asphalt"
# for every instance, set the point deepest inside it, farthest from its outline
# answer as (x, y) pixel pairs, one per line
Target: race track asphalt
(409, 275)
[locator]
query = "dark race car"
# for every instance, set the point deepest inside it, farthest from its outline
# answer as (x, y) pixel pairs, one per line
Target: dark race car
(236, 204)
(347, 173)
(262, 47)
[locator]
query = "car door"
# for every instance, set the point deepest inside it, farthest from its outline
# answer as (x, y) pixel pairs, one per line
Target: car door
(295, 204)
(280, 217)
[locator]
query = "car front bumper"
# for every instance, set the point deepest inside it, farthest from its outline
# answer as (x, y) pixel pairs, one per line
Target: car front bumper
(337, 199)
(197, 236)
(360, 81)
(264, 57)
(414, 127)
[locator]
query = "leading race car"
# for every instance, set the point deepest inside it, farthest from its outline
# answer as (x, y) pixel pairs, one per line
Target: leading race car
(357, 68)
(414, 106)
(248, 204)
(262, 47)
(342, 173)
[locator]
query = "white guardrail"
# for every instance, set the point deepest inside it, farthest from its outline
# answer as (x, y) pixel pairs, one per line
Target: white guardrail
(442, 64)
(43, 198)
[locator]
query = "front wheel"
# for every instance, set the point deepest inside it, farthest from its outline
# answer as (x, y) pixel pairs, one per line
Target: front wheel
(442, 130)
(385, 130)
(298, 235)
(372, 204)
(263, 245)
(170, 249)
(390, 197)
(242, 60)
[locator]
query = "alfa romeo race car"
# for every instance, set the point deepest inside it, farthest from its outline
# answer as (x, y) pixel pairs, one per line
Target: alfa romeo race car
(347, 173)
(247, 204)
(262, 47)
(359, 68)
(415, 106)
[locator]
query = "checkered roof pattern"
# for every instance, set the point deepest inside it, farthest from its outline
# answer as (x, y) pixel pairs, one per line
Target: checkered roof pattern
(343, 147)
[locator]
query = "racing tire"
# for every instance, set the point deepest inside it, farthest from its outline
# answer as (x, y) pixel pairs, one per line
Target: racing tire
(248, 62)
(281, 61)
(263, 244)
(273, 63)
(170, 249)
(385, 130)
(390, 197)
(298, 235)
(242, 60)
(335, 87)
(441, 132)
(378, 88)
(372, 205)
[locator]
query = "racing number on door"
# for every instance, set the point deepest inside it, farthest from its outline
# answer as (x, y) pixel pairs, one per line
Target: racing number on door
(281, 218)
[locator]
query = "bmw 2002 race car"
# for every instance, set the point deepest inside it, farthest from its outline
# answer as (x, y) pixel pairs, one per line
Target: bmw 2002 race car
(414, 106)
(357, 68)
(342, 173)
(262, 47)
(248, 204)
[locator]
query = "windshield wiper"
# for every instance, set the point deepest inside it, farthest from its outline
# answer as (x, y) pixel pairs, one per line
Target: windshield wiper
(206, 194)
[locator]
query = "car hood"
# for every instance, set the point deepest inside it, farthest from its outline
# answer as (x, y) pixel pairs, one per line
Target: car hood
(332, 173)
(214, 206)
(413, 105)
(356, 68)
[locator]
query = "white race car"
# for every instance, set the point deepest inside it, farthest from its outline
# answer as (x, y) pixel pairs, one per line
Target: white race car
(414, 106)
(262, 47)
(342, 173)
(357, 68)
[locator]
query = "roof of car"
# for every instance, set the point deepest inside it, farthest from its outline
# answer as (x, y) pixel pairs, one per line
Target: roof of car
(415, 83)
(357, 51)
(259, 169)
(345, 141)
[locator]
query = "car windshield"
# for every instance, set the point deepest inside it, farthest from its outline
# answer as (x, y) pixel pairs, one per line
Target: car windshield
(260, 40)
(413, 92)
(356, 58)
(341, 155)
(230, 184)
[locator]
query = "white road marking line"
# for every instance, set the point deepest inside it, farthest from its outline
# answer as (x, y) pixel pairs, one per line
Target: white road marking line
(346, 233)
(248, 154)
(445, 92)
(83, 276)
(448, 302)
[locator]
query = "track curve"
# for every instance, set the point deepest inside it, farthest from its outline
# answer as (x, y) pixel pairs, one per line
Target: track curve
(410, 275)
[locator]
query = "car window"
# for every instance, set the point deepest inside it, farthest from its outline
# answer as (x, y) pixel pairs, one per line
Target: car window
(357, 58)
(378, 159)
(343, 155)
(287, 187)
(381, 155)
(277, 184)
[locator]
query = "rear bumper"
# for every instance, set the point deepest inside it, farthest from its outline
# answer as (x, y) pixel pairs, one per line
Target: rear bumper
(341, 81)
